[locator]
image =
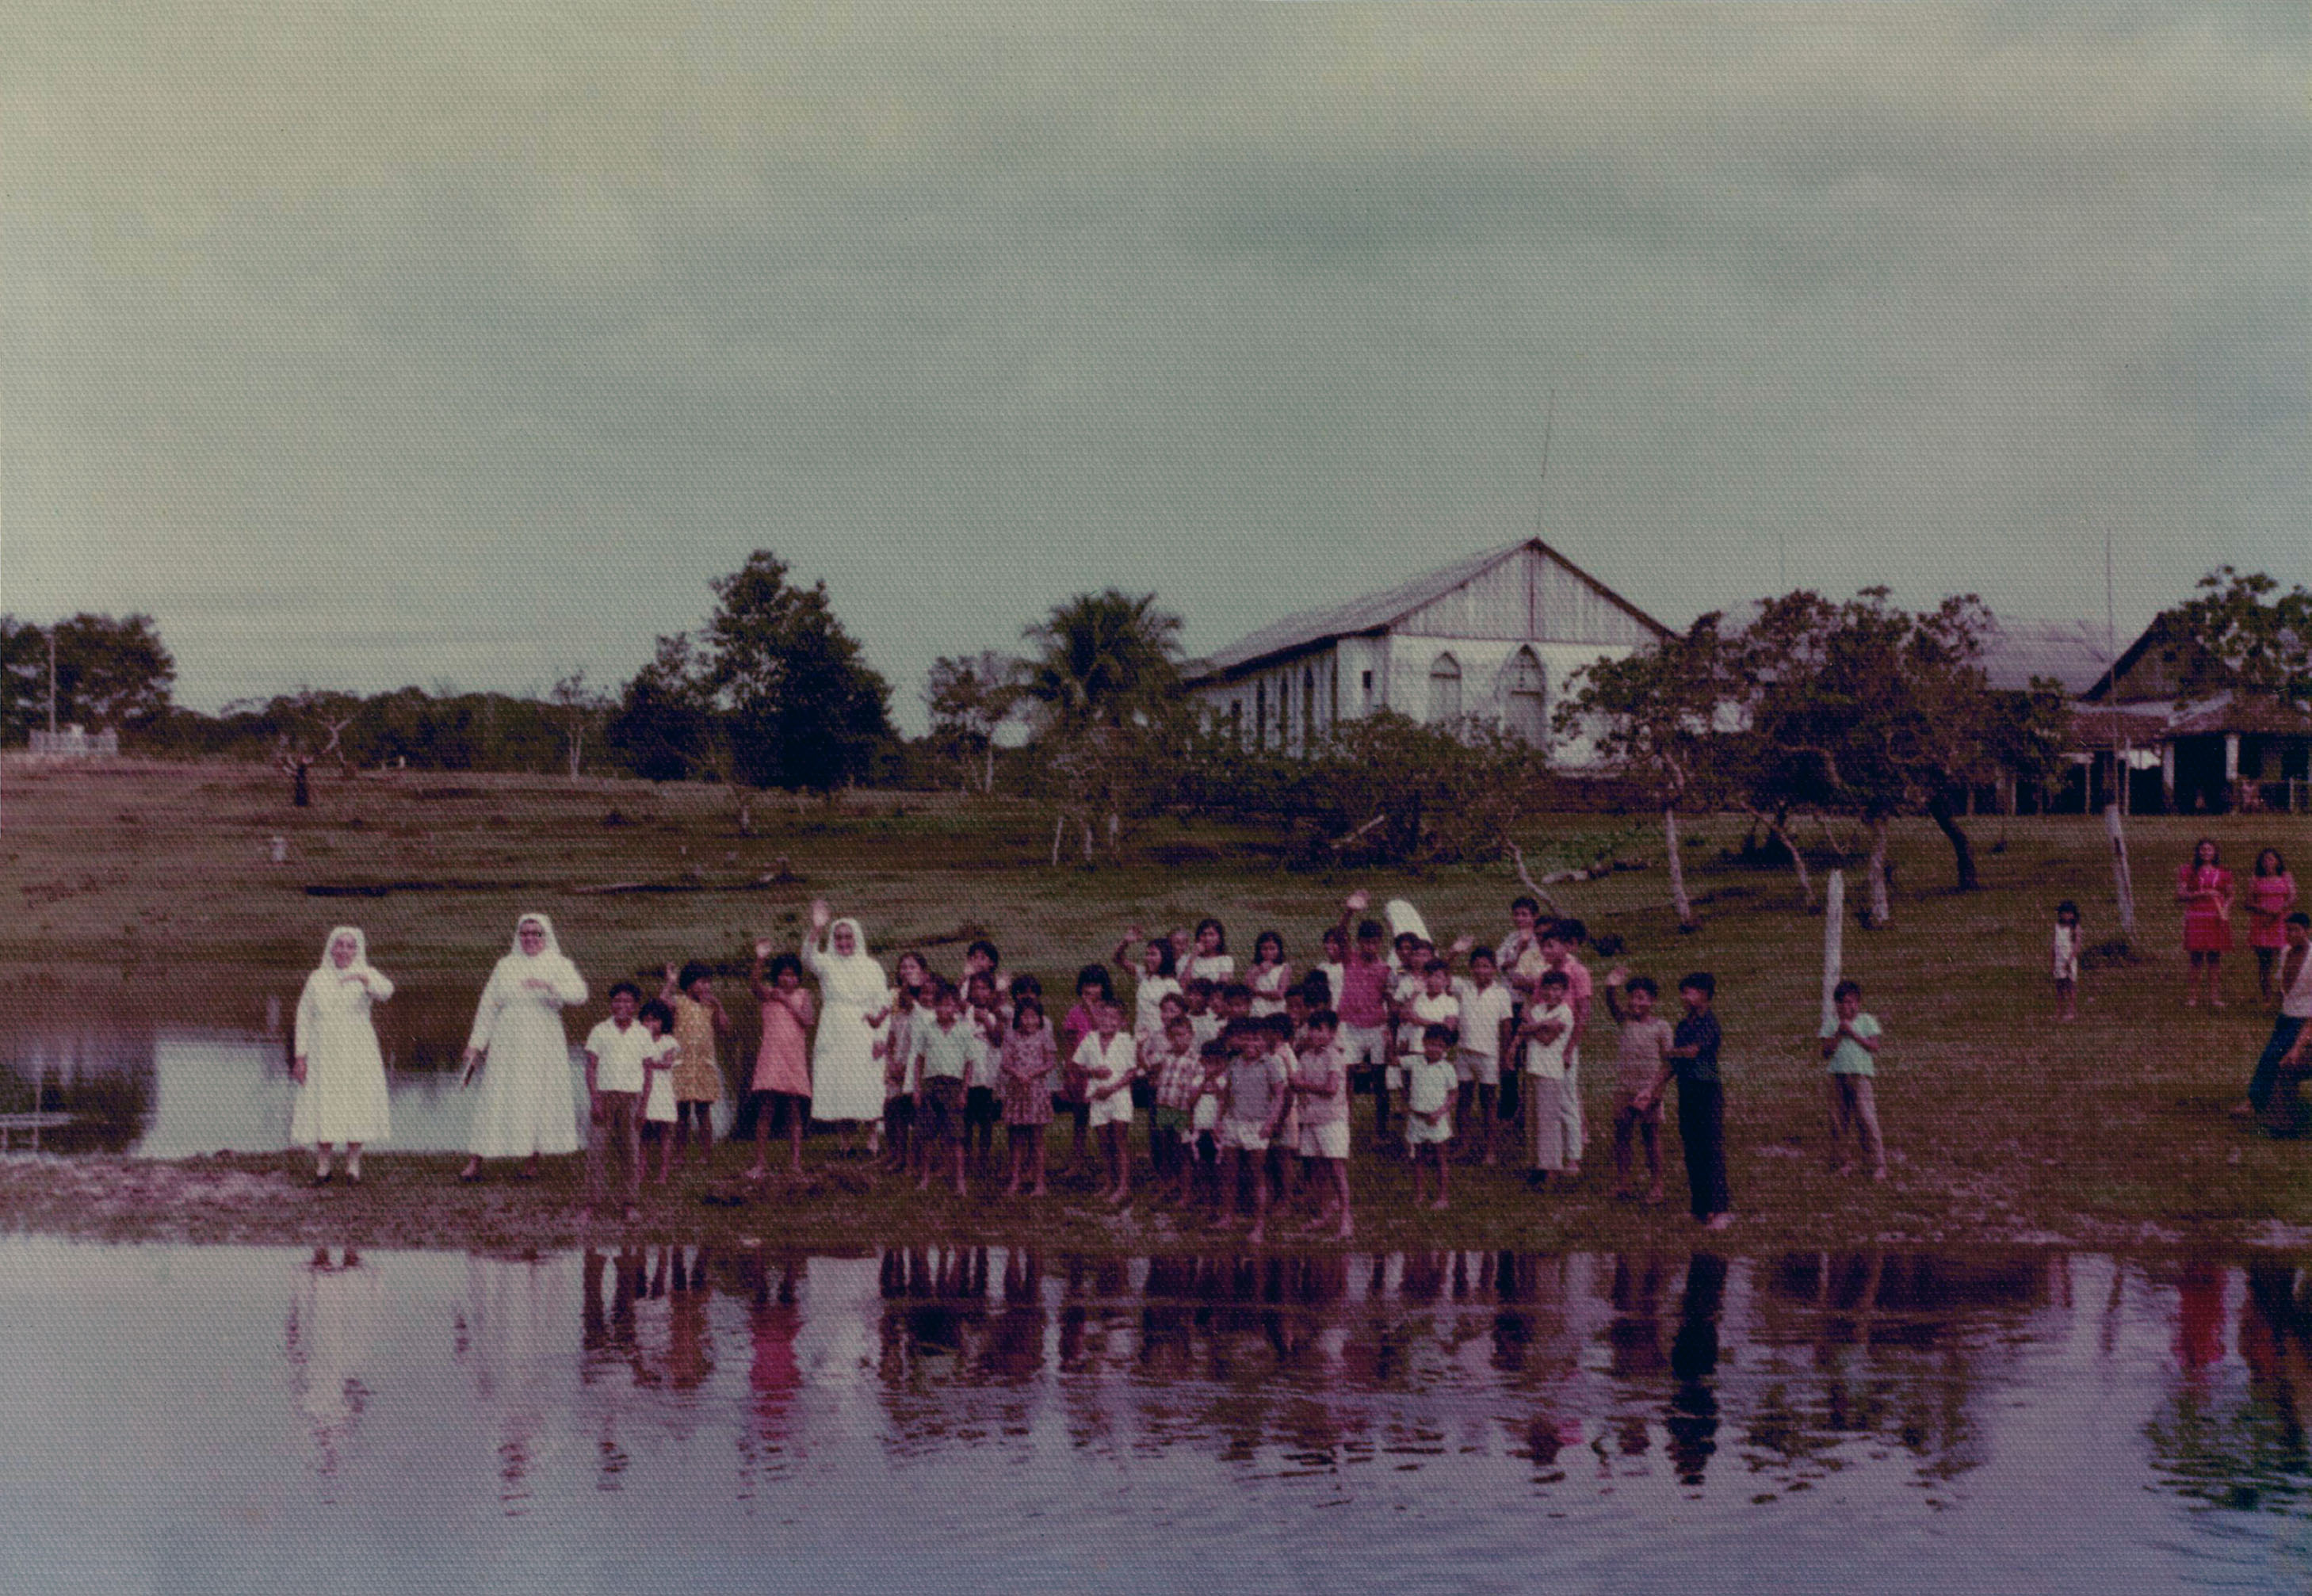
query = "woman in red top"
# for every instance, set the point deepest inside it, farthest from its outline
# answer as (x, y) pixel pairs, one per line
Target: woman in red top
(2204, 888)
(2271, 895)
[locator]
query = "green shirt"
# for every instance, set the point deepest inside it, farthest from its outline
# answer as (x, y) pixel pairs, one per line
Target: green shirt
(1851, 1057)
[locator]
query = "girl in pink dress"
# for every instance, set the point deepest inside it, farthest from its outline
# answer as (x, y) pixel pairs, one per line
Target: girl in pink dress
(2270, 893)
(1030, 1061)
(782, 1063)
(2204, 888)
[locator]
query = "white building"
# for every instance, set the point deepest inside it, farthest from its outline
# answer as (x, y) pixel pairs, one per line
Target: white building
(1495, 635)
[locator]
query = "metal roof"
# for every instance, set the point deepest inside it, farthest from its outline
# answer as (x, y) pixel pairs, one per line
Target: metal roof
(1377, 612)
(2074, 653)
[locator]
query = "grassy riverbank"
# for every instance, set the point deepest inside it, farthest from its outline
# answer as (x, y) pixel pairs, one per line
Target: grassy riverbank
(150, 892)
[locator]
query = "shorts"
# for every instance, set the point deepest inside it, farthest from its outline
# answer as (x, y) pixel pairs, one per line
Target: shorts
(1626, 1102)
(1470, 1065)
(1244, 1136)
(1113, 1110)
(1328, 1141)
(981, 1106)
(1364, 1047)
(1418, 1133)
(1174, 1120)
(939, 1108)
(1205, 1119)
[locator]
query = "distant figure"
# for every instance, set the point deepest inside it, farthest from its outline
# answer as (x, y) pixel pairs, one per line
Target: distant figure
(526, 1107)
(2271, 895)
(2066, 955)
(2204, 888)
(339, 1072)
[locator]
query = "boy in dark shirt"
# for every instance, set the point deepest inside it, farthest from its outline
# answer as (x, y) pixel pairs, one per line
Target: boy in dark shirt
(1693, 1060)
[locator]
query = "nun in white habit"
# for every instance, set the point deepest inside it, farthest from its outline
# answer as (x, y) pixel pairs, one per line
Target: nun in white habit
(339, 1072)
(528, 1107)
(847, 1078)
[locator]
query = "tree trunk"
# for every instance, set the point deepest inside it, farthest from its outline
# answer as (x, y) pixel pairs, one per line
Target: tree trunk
(302, 797)
(1790, 846)
(1059, 831)
(988, 782)
(1678, 898)
(1881, 910)
(1961, 850)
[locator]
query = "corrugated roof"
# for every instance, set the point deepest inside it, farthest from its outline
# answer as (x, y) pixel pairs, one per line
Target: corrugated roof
(1376, 612)
(2074, 653)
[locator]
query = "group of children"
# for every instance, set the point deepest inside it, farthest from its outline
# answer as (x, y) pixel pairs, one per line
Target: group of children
(651, 1074)
(1245, 1079)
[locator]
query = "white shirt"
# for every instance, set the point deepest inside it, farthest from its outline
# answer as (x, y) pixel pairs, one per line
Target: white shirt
(1547, 1058)
(618, 1055)
(2297, 1003)
(1481, 1014)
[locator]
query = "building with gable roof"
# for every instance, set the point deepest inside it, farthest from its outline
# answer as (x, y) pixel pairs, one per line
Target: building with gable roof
(1496, 635)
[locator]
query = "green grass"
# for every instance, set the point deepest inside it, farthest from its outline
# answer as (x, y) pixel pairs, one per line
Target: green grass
(150, 889)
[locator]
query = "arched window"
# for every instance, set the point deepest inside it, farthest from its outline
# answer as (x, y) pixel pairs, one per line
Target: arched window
(1524, 709)
(1444, 688)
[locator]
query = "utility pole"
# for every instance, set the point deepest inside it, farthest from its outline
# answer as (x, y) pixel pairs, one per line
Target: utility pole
(52, 679)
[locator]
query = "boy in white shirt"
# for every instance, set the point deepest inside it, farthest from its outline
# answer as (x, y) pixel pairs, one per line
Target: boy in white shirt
(1546, 1034)
(614, 1088)
(1428, 1110)
(1488, 1010)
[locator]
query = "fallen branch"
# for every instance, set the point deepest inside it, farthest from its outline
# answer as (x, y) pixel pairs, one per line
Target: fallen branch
(1517, 856)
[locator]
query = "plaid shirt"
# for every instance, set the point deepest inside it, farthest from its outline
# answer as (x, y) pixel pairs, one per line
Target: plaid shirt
(1178, 1076)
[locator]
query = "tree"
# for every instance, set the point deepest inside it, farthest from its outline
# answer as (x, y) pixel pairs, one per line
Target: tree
(667, 726)
(1654, 718)
(806, 711)
(109, 672)
(1104, 678)
(581, 709)
(1104, 658)
(1866, 709)
(969, 701)
(2237, 634)
(23, 677)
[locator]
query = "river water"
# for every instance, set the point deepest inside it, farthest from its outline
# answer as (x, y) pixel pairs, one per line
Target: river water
(183, 1418)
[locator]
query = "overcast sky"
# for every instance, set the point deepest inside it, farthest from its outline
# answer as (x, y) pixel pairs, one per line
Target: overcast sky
(465, 340)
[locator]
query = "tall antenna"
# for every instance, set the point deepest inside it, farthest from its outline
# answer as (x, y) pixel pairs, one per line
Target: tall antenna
(1548, 425)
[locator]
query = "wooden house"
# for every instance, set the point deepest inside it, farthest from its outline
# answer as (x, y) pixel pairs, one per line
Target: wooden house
(1496, 635)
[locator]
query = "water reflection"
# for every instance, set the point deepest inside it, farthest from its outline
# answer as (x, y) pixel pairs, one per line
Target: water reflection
(1694, 1417)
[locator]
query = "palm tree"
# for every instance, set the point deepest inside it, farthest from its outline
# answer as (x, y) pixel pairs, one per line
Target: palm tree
(1104, 660)
(1106, 673)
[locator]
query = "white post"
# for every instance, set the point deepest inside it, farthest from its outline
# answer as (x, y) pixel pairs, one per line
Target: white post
(1833, 941)
(2123, 885)
(52, 682)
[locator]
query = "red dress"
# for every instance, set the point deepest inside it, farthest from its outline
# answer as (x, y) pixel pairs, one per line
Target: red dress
(2207, 928)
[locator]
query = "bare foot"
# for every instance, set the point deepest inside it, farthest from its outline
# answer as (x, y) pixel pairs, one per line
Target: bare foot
(1255, 1237)
(1037, 1191)
(1347, 1232)
(1654, 1197)
(1844, 1166)
(1439, 1205)
(1718, 1222)
(632, 1213)
(2217, 1003)
(758, 1174)
(1878, 1173)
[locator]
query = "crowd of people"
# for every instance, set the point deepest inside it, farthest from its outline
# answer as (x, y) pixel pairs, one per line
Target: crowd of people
(1217, 1088)
(1213, 1086)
